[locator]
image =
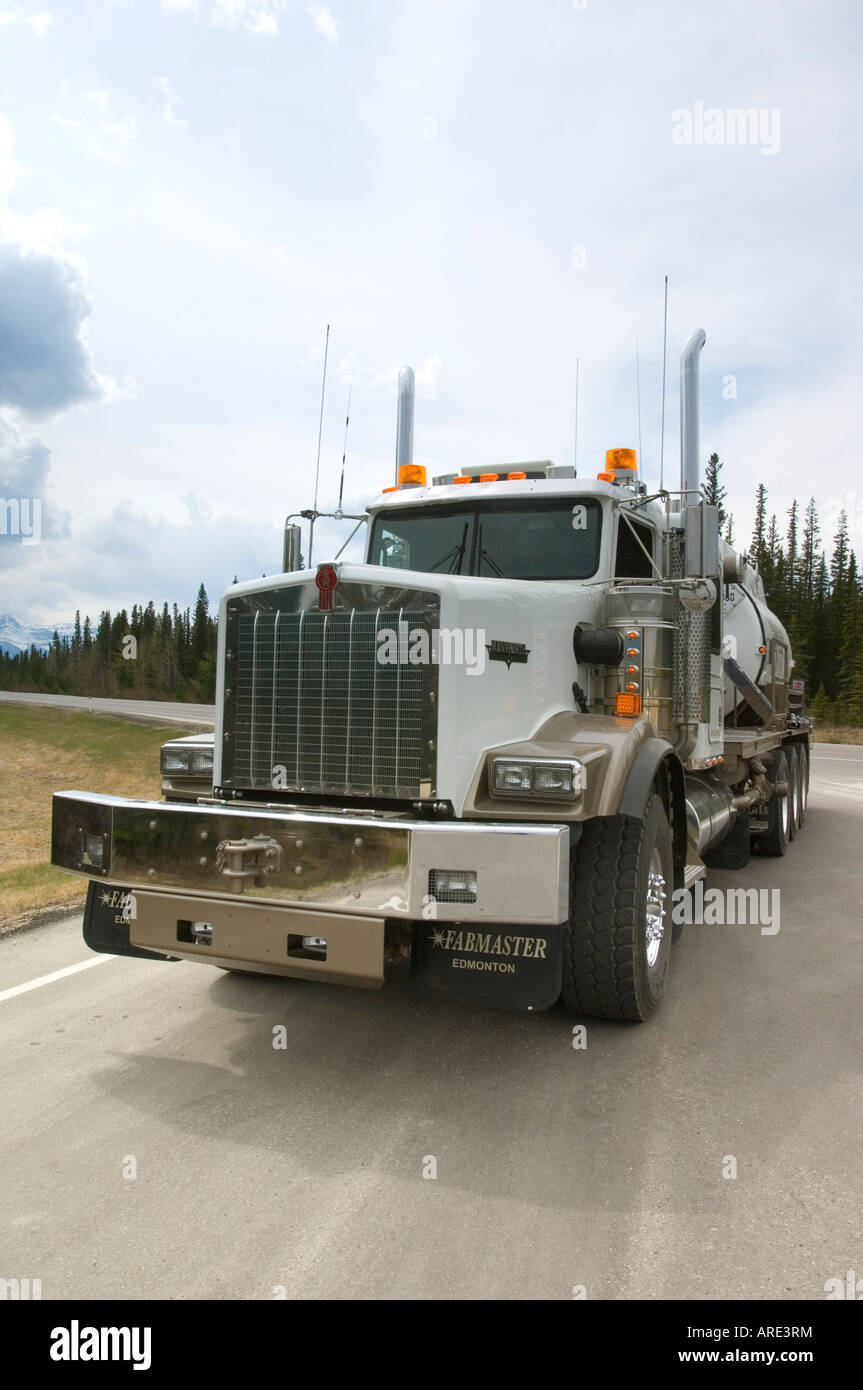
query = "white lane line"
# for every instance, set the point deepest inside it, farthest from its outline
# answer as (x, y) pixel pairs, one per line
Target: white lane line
(55, 975)
(838, 760)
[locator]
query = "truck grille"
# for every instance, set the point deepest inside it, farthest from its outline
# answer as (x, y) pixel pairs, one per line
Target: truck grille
(309, 708)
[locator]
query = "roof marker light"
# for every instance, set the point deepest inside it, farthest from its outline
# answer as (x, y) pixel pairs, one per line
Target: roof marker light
(620, 458)
(515, 477)
(412, 475)
(489, 477)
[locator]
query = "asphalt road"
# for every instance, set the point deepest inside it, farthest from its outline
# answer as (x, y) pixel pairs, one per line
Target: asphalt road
(157, 711)
(262, 1172)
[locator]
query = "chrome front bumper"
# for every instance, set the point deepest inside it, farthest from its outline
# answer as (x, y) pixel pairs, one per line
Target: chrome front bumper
(368, 866)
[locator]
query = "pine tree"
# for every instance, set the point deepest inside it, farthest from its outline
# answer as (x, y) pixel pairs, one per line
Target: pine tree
(712, 489)
(759, 533)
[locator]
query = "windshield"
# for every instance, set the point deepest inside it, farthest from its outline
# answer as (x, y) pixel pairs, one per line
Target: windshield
(506, 540)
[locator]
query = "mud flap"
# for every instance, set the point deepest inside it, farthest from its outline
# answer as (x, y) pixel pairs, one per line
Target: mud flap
(107, 920)
(493, 967)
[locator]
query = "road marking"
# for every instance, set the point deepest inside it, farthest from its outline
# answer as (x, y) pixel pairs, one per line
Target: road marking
(56, 975)
(842, 759)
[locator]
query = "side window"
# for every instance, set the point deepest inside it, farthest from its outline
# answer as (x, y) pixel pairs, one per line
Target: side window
(631, 561)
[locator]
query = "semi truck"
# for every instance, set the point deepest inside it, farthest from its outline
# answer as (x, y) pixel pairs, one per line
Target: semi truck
(498, 749)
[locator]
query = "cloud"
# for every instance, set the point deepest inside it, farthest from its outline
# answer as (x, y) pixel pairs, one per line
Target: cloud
(45, 362)
(125, 129)
(9, 170)
(255, 16)
(170, 101)
(38, 24)
(24, 461)
(352, 372)
(324, 22)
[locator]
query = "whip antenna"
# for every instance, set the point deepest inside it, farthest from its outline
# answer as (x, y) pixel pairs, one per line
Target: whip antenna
(575, 457)
(320, 432)
(344, 454)
(664, 354)
(638, 397)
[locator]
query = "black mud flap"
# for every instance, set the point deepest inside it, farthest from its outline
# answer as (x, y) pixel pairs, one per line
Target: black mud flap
(495, 967)
(107, 920)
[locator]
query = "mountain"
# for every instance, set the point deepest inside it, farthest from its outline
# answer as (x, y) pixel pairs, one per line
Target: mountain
(18, 637)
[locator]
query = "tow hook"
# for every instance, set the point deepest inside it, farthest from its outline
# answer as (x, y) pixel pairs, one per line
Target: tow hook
(250, 859)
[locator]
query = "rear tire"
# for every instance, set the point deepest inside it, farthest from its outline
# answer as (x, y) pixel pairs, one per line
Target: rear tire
(803, 782)
(774, 840)
(617, 941)
(793, 792)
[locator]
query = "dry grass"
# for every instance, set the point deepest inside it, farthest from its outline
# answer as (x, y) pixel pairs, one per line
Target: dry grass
(46, 750)
(836, 733)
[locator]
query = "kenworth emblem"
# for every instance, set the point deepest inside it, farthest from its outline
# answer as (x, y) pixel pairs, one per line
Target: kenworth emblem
(326, 580)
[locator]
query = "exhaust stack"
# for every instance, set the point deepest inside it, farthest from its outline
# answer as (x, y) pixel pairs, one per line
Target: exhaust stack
(405, 419)
(689, 411)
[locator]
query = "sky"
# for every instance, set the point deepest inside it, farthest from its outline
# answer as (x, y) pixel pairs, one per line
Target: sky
(490, 191)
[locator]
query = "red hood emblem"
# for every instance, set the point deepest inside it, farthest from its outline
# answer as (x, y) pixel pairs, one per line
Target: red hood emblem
(326, 579)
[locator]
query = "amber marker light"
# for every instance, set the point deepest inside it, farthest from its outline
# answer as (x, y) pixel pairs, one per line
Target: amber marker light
(627, 704)
(412, 474)
(620, 458)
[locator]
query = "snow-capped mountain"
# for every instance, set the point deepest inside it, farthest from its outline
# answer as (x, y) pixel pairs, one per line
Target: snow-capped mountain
(18, 637)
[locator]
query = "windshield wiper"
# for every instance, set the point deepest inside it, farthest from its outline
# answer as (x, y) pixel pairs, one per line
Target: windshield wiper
(455, 553)
(484, 555)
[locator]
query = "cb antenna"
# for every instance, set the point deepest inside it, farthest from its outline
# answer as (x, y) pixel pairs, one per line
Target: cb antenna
(664, 356)
(320, 432)
(638, 397)
(344, 454)
(575, 455)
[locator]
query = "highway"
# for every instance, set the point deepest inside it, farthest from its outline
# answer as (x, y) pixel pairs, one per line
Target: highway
(156, 1144)
(156, 711)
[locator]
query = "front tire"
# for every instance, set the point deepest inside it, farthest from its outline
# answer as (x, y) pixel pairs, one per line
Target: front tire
(618, 938)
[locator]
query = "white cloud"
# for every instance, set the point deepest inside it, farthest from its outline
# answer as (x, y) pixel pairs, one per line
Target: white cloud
(351, 372)
(256, 16)
(9, 170)
(99, 98)
(170, 101)
(66, 122)
(38, 23)
(125, 129)
(324, 22)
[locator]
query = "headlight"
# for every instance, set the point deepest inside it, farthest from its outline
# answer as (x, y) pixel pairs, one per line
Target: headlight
(187, 760)
(534, 777)
(93, 850)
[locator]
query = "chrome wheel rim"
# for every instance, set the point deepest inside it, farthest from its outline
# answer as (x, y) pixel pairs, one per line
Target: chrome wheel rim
(786, 800)
(654, 912)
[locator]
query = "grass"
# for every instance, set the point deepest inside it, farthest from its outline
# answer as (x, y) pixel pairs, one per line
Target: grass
(46, 750)
(836, 733)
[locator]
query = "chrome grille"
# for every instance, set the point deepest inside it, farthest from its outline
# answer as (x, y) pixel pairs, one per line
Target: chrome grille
(311, 709)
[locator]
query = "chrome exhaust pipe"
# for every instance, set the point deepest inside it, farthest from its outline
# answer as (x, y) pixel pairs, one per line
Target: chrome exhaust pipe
(690, 446)
(405, 419)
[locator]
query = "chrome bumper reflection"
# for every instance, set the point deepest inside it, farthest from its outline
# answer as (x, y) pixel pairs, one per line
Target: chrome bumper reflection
(366, 865)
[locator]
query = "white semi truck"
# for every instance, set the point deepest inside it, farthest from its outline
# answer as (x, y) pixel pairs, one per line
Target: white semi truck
(542, 706)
